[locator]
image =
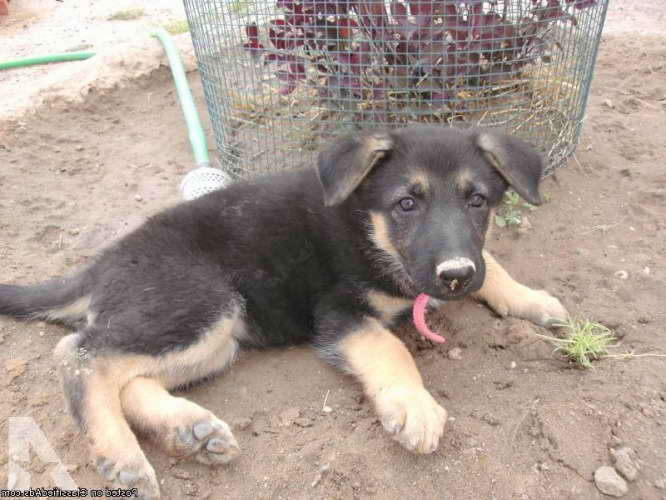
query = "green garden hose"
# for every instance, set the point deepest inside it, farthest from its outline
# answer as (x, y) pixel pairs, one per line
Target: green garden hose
(202, 179)
(51, 58)
(194, 128)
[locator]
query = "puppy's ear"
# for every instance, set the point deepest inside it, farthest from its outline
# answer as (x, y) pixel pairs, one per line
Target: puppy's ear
(343, 166)
(519, 164)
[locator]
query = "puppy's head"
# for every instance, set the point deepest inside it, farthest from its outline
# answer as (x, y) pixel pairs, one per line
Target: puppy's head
(425, 196)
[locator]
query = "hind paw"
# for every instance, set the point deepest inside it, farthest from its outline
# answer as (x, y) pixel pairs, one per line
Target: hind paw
(130, 474)
(206, 438)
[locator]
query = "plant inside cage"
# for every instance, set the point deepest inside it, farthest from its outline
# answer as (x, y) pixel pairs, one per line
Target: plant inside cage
(407, 60)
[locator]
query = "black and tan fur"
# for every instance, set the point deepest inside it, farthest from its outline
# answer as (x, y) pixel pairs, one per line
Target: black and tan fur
(332, 255)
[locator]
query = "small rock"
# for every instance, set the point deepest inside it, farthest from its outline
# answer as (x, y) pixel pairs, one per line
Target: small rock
(609, 103)
(15, 368)
(303, 422)
(288, 417)
(490, 419)
(138, 197)
(621, 274)
(525, 225)
(518, 331)
(261, 424)
(513, 365)
(181, 474)
(660, 484)
(455, 353)
(190, 489)
(327, 409)
(74, 232)
(79, 148)
(609, 482)
(242, 423)
(625, 462)
(496, 340)
(320, 474)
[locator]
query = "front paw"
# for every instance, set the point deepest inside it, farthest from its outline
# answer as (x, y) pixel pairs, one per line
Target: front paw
(537, 306)
(412, 416)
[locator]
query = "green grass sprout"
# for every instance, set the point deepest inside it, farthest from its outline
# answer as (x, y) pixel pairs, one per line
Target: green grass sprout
(584, 341)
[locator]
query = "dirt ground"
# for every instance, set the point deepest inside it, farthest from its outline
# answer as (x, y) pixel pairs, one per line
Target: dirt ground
(524, 424)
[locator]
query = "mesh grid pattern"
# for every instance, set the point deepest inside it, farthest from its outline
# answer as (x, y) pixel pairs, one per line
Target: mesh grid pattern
(281, 77)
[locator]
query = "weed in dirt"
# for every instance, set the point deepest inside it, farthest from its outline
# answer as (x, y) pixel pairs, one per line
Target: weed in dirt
(511, 212)
(126, 15)
(177, 27)
(584, 341)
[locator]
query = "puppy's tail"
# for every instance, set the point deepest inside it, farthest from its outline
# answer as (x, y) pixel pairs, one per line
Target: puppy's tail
(58, 300)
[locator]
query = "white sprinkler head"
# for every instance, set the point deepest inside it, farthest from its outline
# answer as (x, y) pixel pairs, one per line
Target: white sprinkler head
(201, 181)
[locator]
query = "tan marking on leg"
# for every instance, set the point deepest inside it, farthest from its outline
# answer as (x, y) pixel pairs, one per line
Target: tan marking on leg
(73, 311)
(387, 306)
(390, 377)
(213, 351)
(211, 354)
(181, 427)
(92, 387)
(378, 358)
(508, 297)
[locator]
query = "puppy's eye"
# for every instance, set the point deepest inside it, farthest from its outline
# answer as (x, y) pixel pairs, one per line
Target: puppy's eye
(476, 200)
(407, 204)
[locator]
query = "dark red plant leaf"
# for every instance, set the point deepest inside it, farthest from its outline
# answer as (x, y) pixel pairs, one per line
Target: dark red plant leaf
(372, 12)
(456, 25)
(273, 57)
(345, 27)
(297, 71)
(252, 32)
(253, 47)
(277, 38)
(422, 10)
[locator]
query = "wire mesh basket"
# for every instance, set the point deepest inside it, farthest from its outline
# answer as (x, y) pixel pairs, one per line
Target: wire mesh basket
(281, 77)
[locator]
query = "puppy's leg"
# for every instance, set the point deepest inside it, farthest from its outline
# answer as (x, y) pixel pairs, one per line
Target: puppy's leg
(390, 378)
(92, 383)
(507, 297)
(181, 427)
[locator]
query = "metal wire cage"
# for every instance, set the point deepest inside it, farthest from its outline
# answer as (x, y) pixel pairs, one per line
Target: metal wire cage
(281, 77)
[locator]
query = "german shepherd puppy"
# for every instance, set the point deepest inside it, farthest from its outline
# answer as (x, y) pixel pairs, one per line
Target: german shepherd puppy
(332, 255)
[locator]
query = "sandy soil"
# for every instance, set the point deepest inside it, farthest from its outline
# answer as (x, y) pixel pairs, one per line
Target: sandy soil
(525, 425)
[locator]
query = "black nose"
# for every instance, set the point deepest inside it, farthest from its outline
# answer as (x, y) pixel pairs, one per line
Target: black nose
(456, 273)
